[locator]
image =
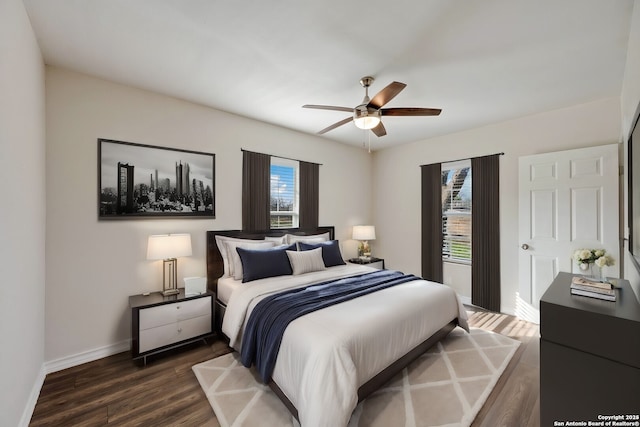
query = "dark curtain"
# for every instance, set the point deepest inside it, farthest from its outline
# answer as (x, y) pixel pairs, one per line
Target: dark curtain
(309, 194)
(432, 222)
(485, 232)
(256, 191)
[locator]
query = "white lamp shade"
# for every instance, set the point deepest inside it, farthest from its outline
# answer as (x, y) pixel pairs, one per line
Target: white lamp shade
(364, 118)
(367, 122)
(364, 232)
(166, 246)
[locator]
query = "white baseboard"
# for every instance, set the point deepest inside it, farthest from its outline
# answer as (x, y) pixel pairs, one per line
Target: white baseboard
(64, 363)
(464, 300)
(33, 398)
(86, 356)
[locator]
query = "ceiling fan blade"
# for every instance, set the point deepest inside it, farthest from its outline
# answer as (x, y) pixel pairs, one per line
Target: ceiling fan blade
(335, 125)
(328, 107)
(411, 111)
(379, 130)
(386, 94)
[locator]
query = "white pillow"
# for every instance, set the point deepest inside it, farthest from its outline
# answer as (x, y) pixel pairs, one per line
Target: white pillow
(235, 263)
(280, 240)
(222, 247)
(306, 261)
(314, 238)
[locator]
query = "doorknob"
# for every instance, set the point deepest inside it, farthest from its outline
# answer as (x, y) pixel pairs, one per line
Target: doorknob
(525, 246)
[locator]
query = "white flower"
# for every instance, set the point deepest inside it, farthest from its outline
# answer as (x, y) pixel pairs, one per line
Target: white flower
(604, 260)
(576, 254)
(585, 257)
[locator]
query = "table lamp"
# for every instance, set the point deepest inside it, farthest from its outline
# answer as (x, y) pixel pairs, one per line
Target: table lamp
(364, 233)
(168, 247)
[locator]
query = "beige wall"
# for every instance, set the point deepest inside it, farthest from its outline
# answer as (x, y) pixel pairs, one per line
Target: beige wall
(630, 98)
(93, 266)
(397, 177)
(22, 215)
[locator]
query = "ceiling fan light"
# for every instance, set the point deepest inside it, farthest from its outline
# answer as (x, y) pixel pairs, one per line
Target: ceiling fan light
(366, 119)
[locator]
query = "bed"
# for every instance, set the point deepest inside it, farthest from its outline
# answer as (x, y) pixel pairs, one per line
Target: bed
(332, 358)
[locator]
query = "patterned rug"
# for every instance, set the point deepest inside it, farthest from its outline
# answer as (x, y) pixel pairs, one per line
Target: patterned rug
(446, 386)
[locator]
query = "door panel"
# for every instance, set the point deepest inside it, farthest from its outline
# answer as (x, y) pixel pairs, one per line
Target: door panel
(586, 214)
(567, 200)
(545, 269)
(543, 214)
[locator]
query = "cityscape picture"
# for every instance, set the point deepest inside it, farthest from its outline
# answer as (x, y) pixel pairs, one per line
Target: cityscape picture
(138, 180)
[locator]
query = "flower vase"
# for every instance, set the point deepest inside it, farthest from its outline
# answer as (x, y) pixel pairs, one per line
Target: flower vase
(597, 272)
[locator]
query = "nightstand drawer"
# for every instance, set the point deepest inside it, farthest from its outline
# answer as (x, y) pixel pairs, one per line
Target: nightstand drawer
(169, 314)
(160, 336)
(160, 322)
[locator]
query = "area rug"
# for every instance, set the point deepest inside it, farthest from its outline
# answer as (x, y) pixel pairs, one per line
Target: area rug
(446, 386)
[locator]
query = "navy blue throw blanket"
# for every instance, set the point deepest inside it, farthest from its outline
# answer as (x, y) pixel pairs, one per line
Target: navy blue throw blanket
(271, 316)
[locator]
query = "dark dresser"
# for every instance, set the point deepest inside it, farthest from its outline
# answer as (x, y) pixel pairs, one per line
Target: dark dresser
(589, 355)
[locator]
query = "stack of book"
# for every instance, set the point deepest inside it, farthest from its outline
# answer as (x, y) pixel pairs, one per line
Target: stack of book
(592, 288)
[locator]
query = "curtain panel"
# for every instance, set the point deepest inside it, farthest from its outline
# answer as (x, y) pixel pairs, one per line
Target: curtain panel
(256, 191)
(309, 194)
(432, 222)
(485, 232)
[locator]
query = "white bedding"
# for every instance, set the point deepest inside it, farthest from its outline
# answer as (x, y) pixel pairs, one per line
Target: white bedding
(226, 286)
(325, 356)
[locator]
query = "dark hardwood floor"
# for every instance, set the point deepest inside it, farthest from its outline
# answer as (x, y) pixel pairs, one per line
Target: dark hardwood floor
(116, 391)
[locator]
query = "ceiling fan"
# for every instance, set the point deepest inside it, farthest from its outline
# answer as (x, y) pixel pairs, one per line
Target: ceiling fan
(368, 114)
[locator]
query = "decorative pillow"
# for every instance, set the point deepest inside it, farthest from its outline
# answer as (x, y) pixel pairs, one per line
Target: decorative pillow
(262, 263)
(279, 240)
(222, 247)
(235, 265)
(331, 254)
(314, 238)
(307, 261)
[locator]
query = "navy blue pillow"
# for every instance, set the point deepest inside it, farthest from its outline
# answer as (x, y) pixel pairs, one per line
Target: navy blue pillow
(262, 263)
(330, 252)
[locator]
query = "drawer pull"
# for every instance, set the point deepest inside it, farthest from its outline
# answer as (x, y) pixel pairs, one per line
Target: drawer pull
(179, 330)
(177, 307)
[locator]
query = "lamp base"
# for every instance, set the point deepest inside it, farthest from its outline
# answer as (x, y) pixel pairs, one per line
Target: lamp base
(169, 277)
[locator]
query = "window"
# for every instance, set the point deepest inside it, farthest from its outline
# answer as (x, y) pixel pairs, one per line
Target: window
(456, 211)
(284, 193)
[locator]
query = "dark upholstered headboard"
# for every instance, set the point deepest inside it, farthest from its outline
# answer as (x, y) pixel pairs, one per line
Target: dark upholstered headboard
(215, 267)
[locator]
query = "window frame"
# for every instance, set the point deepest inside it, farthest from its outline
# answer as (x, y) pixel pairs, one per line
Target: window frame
(451, 213)
(295, 213)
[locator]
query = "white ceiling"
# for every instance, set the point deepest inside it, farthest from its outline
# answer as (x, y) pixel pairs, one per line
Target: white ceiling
(480, 61)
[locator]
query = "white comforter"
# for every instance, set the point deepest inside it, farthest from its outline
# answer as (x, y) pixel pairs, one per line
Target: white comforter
(325, 356)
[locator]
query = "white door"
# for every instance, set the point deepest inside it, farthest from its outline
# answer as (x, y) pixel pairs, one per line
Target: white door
(568, 201)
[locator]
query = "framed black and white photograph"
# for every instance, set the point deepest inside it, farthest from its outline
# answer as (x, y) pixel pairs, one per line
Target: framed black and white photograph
(144, 181)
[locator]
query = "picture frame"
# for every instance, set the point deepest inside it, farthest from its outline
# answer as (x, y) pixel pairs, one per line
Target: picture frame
(146, 181)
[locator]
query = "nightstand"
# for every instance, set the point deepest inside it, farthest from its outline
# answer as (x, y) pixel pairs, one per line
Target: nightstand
(160, 323)
(371, 262)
